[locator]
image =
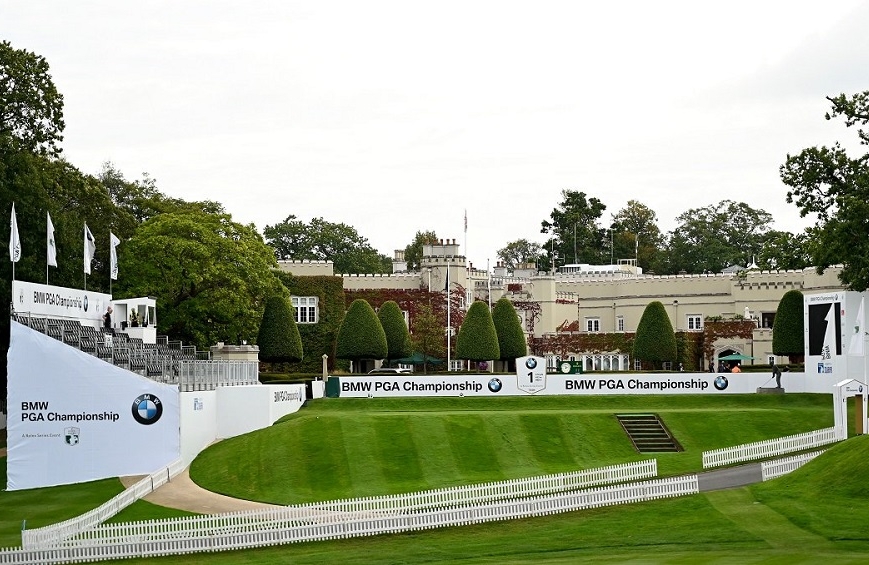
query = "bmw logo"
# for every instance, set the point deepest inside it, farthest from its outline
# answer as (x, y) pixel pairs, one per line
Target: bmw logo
(531, 362)
(495, 385)
(147, 409)
(720, 382)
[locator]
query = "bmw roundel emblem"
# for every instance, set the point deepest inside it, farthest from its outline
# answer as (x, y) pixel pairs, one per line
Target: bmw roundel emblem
(495, 385)
(531, 362)
(720, 382)
(147, 409)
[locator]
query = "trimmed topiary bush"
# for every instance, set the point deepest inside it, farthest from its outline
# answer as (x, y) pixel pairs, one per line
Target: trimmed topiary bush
(477, 339)
(278, 339)
(511, 338)
(397, 336)
(789, 325)
(655, 341)
(361, 336)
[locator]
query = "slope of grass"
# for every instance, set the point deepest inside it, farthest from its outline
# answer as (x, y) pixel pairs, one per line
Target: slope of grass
(365, 447)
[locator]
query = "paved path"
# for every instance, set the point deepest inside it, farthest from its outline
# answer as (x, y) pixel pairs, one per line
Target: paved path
(730, 477)
(182, 493)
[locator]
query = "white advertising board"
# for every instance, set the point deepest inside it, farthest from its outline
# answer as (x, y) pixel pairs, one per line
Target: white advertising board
(74, 418)
(589, 384)
(835, 330)
(531, 374)
(58, 302)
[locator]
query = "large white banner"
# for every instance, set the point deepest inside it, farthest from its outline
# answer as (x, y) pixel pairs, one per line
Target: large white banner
(589, 384)
(58, 301)
(74, 418)
(835, 329)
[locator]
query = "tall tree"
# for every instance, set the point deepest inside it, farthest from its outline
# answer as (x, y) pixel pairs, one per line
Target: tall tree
(278, 338)
(784, 251)
(827, 182)
(477, 339)
(655, 341)
(321, 240)
(428, 334)
(361, 336)
(575, 234)
(712, 238)
(31, 108)
(788, 329)
(520, 252)
(397, 336)
(634, 232)
(210, 275)
(511, 338)
(413, 251)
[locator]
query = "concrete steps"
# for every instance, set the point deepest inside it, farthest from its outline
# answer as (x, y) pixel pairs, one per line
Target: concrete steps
(648, 433)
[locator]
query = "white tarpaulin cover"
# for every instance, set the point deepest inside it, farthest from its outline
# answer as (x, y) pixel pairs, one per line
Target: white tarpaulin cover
(74, 418)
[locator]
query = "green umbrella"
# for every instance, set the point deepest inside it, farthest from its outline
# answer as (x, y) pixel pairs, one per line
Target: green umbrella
(418, 359)
(735, 357)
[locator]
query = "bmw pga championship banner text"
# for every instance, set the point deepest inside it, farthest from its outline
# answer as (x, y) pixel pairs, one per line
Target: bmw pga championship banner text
(59, 302)
(75, 418)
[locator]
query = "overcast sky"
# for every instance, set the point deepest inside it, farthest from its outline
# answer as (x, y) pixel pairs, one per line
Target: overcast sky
(398, 116)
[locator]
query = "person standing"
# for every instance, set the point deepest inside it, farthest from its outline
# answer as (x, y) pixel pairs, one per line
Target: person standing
(107, 318)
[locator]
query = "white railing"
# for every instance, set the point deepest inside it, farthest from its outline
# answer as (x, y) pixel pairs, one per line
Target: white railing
(208, 375)
(774, 469)
(55, 534)
(487, 492)
(283, 525)
(769, 448)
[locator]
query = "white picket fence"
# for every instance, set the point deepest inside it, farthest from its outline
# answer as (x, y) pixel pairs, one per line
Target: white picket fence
(769, 448)
(52, 536)
(774, 469)
(283, 525)
(56, 533)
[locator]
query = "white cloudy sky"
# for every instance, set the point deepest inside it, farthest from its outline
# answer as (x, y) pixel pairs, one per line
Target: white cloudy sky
(398, 116)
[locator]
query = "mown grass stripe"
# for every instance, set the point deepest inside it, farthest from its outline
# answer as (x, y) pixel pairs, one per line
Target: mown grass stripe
(472, 448)
(399, 460)
(431, 439)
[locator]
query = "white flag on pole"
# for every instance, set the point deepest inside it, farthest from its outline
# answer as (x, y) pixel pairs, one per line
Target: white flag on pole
(90, 247)
(113, 243)
(14, 240)
(49, 241)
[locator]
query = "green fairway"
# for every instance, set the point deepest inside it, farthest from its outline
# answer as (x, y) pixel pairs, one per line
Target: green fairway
(350, 448)
(397, 445)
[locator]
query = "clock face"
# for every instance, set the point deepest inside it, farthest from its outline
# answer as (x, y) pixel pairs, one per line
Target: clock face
(565, 367)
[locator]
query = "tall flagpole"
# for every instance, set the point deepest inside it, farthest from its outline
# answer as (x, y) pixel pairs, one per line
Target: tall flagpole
(449, 326)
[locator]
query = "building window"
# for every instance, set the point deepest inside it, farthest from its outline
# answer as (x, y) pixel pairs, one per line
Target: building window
(592, 324)
(767, 319)
(305, 309)
(620, 323)
(695, 322)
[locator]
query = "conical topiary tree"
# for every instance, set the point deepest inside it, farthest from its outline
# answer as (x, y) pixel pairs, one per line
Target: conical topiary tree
(477, 339)
(511, 338)
(788, 327)
(393, 324)
(361, 336)
(655, 341)
(278, 338)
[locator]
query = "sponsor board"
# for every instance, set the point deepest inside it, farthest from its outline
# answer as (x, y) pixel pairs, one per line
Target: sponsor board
(555, 384)
(58, 302)
(74, 418)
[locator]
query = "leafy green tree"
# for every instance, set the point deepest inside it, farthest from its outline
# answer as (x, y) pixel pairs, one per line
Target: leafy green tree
(361, 336)
(520, 252)
(712, 238)
(413, 251)
(477, 339)
(278, 338)
(511, 338)
(788, 329)
(321, 240)
(210, 275)
(635, 232)
(575, 234)
(397, 336)
(428, 334)
(31, 108)
(784, 251)
(655, 341)
(829, 183)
